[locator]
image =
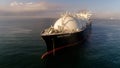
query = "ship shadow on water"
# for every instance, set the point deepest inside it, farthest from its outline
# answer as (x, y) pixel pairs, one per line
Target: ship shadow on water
(69, 57)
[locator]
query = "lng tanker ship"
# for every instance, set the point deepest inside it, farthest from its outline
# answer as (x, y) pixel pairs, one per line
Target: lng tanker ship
(69, 29)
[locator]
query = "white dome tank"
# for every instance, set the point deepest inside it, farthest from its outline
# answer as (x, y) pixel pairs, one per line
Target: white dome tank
(68, 23)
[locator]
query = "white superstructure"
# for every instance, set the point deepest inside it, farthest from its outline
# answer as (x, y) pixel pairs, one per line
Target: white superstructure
(69, 23)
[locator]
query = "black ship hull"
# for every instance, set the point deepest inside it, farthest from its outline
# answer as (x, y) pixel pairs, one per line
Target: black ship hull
(60, 41)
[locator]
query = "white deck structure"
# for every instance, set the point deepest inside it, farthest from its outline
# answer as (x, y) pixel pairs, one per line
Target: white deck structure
(69, 23)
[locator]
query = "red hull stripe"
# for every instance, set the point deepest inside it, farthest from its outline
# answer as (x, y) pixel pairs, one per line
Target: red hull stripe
(56, 49)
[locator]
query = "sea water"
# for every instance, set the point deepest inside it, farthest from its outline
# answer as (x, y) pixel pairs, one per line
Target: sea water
(21, 45)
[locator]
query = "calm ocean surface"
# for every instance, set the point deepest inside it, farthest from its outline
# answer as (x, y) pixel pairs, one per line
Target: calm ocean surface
(22, 47)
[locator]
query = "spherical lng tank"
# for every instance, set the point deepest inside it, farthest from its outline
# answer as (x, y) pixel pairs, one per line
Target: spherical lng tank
(69, 23)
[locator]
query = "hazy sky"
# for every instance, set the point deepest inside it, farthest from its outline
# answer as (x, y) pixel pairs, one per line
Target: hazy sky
(52, 8)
